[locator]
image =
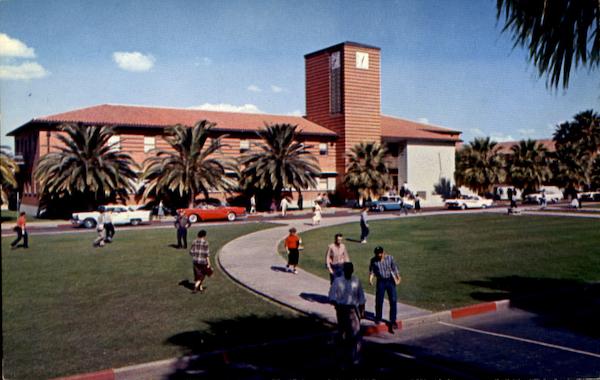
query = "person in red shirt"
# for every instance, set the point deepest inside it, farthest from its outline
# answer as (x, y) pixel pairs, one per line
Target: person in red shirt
(292, 245)
(21, 230)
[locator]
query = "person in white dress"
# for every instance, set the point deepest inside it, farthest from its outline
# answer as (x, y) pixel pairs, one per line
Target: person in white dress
(316, 214)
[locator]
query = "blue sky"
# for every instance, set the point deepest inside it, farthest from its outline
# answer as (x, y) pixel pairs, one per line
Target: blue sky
(446, 63)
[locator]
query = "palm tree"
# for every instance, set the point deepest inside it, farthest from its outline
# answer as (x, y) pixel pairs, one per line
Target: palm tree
(8, 168)
(528, 166)
(367, 174)
(192, 167)
(479, 166)
(577, 146)
(280, 162)
(85, 168)
(557, 33)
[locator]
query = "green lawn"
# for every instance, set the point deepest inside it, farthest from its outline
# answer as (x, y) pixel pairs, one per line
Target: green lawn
(450, 261)
(69, 308)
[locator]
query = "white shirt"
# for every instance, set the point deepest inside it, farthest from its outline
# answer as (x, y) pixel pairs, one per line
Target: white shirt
(347, 292)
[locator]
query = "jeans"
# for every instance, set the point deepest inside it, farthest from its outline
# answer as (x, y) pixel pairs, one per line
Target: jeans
(338, 271)
(364, 231)
(182, 237)
(21, 235)
(385, 285)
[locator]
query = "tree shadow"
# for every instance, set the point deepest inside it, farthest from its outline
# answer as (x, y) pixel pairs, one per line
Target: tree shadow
(279, 348)
(570, 304)
(353, 240)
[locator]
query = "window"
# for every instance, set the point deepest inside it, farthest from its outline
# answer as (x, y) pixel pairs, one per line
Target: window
(331, 183)
(323, 149)
(322, 185)
(244, 146)
(115, 142)
(335, 83)
(149, 143)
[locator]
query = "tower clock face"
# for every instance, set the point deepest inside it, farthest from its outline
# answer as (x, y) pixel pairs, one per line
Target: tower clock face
(335, 60)
(362, 60)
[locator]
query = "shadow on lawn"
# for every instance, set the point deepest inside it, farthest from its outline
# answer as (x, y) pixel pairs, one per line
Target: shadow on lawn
(279, 348)
(570, 304)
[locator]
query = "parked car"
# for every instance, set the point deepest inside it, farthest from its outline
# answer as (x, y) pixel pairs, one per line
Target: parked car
(553, 195)
(205, 212)
(469, 201)
(590, 196)
(120, 215)
(391, 202)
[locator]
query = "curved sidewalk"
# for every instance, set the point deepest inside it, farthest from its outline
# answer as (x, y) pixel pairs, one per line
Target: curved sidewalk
(253, 261)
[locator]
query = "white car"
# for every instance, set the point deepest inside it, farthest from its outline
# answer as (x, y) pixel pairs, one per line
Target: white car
(553, 195)
(120, 215)
(469, 201)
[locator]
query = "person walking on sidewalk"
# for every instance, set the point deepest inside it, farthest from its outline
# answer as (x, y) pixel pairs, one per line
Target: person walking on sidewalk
(417, 204)
(201, 261)
(101, 231)
(316, 214)
(21, 230)
(182, 223)
(283, 205)
(383, 268)
(348, 297)
(292, 245)
(335, 257)
(253, 204)
(109, 227)
(364, 225)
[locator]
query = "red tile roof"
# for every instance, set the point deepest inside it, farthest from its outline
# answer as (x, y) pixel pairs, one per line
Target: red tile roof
(505, 147)
(394, 127)
(138, 116)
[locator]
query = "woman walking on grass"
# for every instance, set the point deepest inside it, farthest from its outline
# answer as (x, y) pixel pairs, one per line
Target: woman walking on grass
(201, 261)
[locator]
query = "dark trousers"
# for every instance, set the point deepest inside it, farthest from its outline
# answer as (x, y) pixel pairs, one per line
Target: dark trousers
(385, 285)
(348, 319)
(21, 235)
(364, 230)
(182, 237)
(338, 270)
(110, 231)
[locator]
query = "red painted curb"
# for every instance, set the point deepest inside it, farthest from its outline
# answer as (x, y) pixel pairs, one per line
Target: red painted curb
(382, 327)
(107, 374)
(473, 310)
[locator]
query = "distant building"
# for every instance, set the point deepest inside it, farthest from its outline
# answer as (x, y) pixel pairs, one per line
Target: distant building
(343, 107)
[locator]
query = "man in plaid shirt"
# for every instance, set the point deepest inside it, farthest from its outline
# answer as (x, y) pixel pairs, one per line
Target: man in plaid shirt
(384, 269)
(201, 260)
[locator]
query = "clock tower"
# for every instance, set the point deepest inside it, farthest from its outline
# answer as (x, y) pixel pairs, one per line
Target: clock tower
(343, 93)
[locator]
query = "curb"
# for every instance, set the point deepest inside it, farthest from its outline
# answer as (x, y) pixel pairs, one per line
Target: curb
(447, 315)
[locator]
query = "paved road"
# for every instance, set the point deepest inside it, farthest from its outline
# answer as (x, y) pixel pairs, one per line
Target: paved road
(510, 344)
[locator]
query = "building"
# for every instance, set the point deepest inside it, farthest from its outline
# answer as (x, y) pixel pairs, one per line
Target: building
(343, 107)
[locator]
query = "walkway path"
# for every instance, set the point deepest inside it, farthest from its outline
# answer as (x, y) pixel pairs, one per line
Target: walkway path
(253, 261)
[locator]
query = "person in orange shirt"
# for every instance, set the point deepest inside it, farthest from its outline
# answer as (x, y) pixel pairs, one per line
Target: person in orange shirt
(292, 245)
(21, 230)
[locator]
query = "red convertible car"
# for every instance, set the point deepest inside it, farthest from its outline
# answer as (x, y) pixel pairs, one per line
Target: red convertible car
(214, 212)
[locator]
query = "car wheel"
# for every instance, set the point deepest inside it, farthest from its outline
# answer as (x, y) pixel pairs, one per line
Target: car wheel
(484, 206)
(231, 216)
(193, 218)
(135, 222)
(89, 223)
(381, 209)
(463, 206)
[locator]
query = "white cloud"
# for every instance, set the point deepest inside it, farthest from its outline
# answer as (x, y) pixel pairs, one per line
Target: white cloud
(295, 113)
(26, 70)
(501, 137)
(133, 61)
(12, 47)
(423, 120)
(254, 88)
(526, 131)
(477, 132)
(276, 89)
(224, 107)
